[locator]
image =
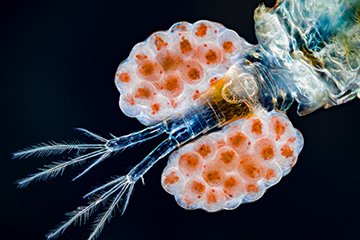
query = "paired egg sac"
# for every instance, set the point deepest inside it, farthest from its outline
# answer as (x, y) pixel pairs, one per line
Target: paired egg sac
(233, 166)
(169, 70)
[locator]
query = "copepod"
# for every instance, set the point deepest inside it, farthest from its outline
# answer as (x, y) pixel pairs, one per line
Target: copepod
(203, 83)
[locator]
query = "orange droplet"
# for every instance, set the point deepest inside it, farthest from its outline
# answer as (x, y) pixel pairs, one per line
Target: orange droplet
(194, 74)
(170, 179)
(251, 167)
(181, 28)
(209, 53)
(212, 176)
(228, 47)
(211, 57)
(256, 127)
(267, 153)
(141, 57)
(201, 31)
(155, 108)
(147, 69)
(185, 46)
(230, 182)
(286, 151)
(279, 128)
(237, 140)
(169, 60)
(191, 71)
(227, 157)
(252, 188)
(172, 84)
(211, 199)
(198, 187)
(159, 43)
(143, 93)
(190, 163)
(124, 77)
(270, 173)
(204, 150)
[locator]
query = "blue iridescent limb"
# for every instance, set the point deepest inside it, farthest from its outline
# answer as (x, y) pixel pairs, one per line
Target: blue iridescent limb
(126, 141)
(99, 152)
(181, 128)
(121, 189)
(114, 144)
(203, 120)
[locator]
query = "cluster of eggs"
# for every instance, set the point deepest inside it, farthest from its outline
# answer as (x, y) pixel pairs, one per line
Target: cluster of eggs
(233, 166)
(169, 70)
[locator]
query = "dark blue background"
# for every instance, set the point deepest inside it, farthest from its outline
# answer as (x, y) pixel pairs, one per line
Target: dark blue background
(58, 61)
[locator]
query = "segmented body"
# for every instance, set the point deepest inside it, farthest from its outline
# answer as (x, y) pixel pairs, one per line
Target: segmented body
(195, 78)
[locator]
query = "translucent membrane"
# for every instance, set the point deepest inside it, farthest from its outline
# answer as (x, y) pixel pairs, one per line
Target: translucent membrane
(180, 63)
(235, 165)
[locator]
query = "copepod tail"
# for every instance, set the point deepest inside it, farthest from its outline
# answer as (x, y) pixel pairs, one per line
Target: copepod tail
(208, 112)
(85, 151)
(117, 192)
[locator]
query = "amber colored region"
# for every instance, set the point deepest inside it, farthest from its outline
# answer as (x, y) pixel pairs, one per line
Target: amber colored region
(279, 128)
(230, 111)
(211, 57)
(155, 108)
(227, 156)
(286, 151)
(142, 93)
(171, 179)
(238, 139)
(249, 164)
(190, 160)
(147, 69)
(252, 188)
(168, 63)
(159, 43)
(201, 31)
(230, 182)
(198, 187)
(185, 46)
(267, 153)
(204, 150)
(124, 77)
(256, 127)
(194, 74)
(172, 84)
(270, 173)
(212, 176)
(211, 199)
(228, 47)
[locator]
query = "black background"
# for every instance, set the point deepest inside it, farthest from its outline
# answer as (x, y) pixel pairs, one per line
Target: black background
(58, 61)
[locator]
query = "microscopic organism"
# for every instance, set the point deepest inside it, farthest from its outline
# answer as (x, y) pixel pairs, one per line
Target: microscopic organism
(203, 83)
